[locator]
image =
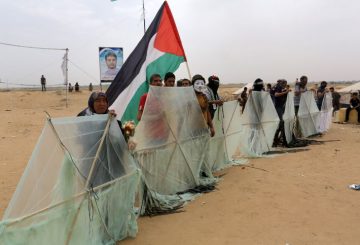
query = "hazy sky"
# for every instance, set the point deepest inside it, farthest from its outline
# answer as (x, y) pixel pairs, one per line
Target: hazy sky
(239, 40)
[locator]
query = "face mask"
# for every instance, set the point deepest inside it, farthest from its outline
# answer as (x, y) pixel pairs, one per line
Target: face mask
(199, 86)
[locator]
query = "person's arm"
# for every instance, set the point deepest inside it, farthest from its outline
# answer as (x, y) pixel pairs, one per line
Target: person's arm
(210, 124)
(278, 94)
(358, 105)
(321, 94)
(216, 102)
(139, 115)
(350, 105)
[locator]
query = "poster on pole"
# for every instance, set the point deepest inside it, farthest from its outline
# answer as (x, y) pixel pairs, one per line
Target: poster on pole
(111, 60)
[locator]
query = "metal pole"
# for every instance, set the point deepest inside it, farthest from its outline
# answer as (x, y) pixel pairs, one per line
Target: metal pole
(144, 15)
(188, 70)
(66, 76)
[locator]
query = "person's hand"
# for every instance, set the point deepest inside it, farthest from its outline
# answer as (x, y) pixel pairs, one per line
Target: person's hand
(220, 102)
(132, 145)
(112, 113)
(212, 131)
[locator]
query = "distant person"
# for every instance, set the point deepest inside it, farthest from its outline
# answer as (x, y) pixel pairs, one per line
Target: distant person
(258, 85)
(155, 80)
(335, 99)
(111, 62)
(271, 90)
(43, 83)
(179, 83)
(70, 87)
(77, 87)
(354, 105)
(212, 95)
(90, 87)
(300, 87)
(198, 83)
(169, 80)
(320, 93)
(243, 99)
(314, 89)
(185, 82)
(268, 87)
(280, 97)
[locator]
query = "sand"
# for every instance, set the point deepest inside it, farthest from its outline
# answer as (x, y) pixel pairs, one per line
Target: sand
(294, 197)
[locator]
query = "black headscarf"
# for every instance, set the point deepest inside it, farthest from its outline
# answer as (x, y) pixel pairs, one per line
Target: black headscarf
(258, 85)
(214, 84)
(93, 97)
(90, 110)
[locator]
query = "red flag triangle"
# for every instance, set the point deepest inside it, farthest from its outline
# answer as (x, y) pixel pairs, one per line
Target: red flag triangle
(168, 39)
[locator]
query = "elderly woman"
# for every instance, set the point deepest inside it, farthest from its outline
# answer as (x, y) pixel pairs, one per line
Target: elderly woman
(198, 83)
(98, 104)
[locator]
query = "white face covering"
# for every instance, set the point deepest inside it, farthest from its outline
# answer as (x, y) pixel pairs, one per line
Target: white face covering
(199, 86)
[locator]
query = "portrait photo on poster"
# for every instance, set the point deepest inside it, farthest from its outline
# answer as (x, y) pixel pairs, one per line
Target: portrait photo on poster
(111, 60)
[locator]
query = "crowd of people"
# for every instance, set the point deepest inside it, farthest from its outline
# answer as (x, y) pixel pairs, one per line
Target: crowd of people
(209, 99)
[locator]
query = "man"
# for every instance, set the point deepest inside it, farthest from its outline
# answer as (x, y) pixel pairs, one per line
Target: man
(185, 82)
(335, 99)
(320, 93)
(280, 96)
(111, 61)
(77, 87)
(212, 95)
(169, 80)
(258, 85)
(300, 87)
(43, 83)
(354, 104)
(155, 80)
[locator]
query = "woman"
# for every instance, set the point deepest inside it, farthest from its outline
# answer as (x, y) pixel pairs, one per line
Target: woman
(198, 83)
(98, 104)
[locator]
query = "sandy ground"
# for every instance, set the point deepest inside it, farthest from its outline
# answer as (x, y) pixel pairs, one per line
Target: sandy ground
(297, 197)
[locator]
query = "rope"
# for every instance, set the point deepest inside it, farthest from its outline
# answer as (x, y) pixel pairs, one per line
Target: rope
(32, 85)
(86, 73)
(32, 47)
(91, 201)
(63, 145)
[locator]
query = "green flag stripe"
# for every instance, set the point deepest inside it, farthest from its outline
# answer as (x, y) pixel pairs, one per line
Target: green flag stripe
(162, 65)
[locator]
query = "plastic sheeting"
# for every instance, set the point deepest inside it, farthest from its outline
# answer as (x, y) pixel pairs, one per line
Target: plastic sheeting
(172, 141)
(326, 113)
(308, 114)
(289, 117)
(260, 122)
(60, 200)
(224, 150)
(217, 157)
(233, 128)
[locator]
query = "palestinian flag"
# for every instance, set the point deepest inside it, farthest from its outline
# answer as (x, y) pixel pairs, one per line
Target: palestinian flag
(159, 51)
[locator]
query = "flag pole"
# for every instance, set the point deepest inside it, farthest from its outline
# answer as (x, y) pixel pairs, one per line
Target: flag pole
(188, 69)
(66, 76)
(143, 2)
